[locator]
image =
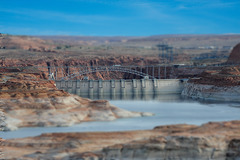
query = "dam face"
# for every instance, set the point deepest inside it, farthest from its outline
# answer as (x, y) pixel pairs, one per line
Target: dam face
(121, 87)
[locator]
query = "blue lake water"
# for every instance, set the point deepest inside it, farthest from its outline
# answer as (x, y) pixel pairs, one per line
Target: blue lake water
(168, 109)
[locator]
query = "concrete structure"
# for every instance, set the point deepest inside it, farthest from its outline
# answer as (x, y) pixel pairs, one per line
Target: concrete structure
(79, 72)
(121, 88)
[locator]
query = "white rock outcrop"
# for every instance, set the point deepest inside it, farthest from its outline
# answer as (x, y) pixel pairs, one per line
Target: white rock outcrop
(59, 111)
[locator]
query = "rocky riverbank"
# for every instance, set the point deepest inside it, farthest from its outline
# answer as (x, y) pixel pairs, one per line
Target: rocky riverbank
(216, 141)
(212, 92)
(220, 85)
(27, 100)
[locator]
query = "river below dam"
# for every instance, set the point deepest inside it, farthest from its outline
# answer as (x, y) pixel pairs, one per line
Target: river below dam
(168, 109)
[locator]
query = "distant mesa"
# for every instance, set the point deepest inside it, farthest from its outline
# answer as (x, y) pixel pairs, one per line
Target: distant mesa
(234, 57)
(25, 43)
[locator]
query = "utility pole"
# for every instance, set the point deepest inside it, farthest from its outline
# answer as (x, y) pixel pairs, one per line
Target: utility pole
(165, 56)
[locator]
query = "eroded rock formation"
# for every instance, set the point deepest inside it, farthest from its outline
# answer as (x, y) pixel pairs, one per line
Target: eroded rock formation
(234, 57)
(212, 92)
(220, 85)
(1, 149)
(214, 140)
(27, 100)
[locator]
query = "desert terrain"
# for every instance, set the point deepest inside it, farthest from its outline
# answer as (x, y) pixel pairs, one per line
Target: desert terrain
(71, 51)
(29, 99)
(186, 49)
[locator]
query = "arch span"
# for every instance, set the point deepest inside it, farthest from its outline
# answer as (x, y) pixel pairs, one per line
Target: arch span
(107, 69)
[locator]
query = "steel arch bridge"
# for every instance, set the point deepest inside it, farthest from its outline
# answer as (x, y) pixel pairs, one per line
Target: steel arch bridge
(107, 69)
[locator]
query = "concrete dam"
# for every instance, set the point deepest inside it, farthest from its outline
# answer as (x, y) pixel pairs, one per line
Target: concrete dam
(121, 88)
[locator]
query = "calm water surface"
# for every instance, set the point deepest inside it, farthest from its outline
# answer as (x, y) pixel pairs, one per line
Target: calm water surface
(168, 109)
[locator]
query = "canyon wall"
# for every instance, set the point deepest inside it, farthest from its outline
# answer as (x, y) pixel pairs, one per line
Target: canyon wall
(222, 84)
(62, 67)
(212, 92)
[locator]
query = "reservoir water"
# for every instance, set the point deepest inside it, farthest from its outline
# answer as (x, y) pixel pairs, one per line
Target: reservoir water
(168, 109)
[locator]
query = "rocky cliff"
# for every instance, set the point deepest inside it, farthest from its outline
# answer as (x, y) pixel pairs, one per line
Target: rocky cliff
(61, 67)
(212, 92)
(1, 149)
(214, 140)
(27, 100)
(221, 85)
(234, 57)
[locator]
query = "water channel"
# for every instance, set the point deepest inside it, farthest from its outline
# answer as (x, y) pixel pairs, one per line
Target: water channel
(168, 109)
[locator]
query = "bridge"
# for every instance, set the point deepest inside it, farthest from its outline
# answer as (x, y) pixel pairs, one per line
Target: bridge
(79, 72)
(91, 70)
(152, 80)
(69, 79)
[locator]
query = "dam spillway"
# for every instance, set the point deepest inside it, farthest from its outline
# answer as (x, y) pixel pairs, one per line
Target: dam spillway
(123, 87)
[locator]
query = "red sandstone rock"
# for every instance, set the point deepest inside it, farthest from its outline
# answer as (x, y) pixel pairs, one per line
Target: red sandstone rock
(234, 57)
(227, 76)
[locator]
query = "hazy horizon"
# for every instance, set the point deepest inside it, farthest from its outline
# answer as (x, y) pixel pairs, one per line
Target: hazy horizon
(137, 36)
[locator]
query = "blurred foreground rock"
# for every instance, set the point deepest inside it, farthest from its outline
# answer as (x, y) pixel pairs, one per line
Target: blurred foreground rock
(214, 140)
(28, 100)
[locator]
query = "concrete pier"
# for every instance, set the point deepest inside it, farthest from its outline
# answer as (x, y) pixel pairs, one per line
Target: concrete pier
(122, 88)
